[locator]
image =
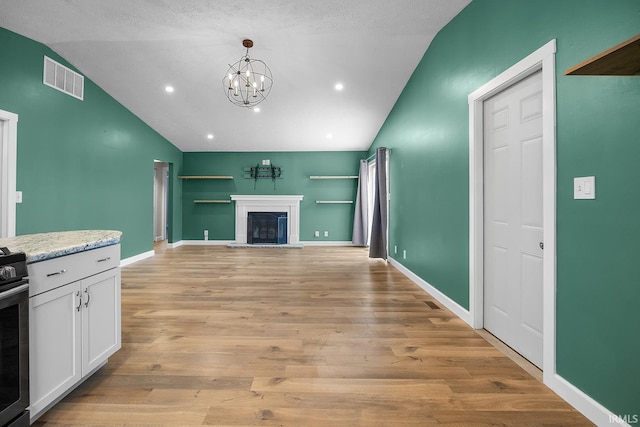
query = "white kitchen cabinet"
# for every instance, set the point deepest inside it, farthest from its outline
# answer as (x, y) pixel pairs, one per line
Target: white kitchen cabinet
(54, 344)
(74, 327)
(100, 319)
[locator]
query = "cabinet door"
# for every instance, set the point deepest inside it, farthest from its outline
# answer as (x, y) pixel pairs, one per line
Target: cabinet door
(100, 318)
(54, 340)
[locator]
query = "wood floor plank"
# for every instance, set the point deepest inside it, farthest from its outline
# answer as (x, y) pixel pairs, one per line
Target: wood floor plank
(321, 336)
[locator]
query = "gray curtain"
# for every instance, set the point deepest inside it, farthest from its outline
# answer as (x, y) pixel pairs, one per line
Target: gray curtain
(360, 220)
(378, 245)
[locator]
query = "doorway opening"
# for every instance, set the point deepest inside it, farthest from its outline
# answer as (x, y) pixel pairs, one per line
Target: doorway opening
(160, 201)
(8, 167)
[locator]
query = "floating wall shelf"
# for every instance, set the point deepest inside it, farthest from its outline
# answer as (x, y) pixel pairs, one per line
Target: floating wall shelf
(333, 202)
(212, 201)
(621, 60)
(333, 177)
(205, 177)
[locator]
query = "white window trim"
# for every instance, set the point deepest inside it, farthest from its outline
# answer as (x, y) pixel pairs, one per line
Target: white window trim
(8, 167)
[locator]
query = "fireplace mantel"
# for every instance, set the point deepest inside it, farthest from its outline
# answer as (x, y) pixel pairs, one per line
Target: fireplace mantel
(285, 203)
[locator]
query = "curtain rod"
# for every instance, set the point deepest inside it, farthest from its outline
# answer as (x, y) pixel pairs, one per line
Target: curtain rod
(373, 156)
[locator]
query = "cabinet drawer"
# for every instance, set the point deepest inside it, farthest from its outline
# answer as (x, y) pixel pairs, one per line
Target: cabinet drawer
(52, 273)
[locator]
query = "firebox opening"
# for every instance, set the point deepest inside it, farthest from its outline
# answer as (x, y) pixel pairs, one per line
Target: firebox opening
(267, 227)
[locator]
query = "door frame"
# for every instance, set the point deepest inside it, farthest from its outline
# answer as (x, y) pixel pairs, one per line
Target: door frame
(542, 60)
(8, 169)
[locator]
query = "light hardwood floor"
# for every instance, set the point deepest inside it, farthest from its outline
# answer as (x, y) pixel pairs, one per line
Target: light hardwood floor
(298, 337)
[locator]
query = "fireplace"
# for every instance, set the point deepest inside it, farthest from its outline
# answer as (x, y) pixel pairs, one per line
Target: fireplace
(287, 204)
(267, 227)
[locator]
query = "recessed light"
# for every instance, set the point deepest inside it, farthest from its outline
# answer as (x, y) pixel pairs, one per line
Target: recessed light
(169, 89)
(339, 86)
(210, 136)
(256, 109)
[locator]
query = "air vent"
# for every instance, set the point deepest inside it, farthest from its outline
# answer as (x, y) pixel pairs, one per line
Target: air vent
(62, 78)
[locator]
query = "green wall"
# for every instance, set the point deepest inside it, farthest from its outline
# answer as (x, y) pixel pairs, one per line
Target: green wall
(219, 219)
(81, 164)
(598, 124)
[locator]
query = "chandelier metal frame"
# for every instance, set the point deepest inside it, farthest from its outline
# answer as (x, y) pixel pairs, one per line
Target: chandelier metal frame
(247, 82)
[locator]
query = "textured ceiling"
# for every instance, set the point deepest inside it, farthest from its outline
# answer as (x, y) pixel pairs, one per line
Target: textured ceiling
(134, 48)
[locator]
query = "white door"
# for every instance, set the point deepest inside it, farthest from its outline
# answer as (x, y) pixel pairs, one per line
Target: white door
(513, 246)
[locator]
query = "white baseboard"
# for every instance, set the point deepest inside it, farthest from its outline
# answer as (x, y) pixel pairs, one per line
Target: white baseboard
(174, 244)
(586, 405)
(206, 242)
(456, 308)
(136, 258)
(327, 243)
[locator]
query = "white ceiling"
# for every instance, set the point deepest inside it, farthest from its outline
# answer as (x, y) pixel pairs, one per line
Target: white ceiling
(134, 48)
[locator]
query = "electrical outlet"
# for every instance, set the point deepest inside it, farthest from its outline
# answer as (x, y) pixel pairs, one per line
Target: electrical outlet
(316, 233)
(206, 234)
(395, 249)
(404, 254)
(326, 234)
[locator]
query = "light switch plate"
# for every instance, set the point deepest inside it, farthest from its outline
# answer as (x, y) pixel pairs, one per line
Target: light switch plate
(584, 187)
(18, 196)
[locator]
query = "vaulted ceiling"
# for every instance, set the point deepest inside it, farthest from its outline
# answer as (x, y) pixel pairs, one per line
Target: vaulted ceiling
(134, 48)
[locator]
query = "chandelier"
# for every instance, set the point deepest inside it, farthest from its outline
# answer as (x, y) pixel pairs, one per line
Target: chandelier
(248, 81)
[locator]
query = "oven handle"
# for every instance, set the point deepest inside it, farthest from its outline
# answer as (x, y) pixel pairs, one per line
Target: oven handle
(14, 291)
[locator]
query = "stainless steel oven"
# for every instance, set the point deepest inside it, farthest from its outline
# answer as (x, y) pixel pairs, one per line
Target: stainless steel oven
(14, 340)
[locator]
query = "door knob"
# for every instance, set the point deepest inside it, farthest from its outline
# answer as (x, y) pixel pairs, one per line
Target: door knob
(541, 244)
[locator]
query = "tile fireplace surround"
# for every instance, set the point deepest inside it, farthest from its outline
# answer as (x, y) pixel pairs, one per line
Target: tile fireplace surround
(286, 203)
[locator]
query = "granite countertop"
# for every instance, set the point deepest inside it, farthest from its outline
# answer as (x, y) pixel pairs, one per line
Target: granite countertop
(43, 246)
